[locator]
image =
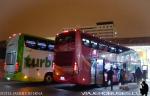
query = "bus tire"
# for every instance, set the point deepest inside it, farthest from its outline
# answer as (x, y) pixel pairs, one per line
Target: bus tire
(48, 78)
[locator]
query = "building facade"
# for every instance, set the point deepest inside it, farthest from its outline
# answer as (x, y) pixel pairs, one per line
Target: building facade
(102, 30)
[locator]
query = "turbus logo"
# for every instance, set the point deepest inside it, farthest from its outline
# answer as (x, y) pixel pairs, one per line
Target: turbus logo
(37, 62)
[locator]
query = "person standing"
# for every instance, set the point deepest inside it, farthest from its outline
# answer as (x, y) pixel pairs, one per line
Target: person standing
(121, 77)
(110, 74)
(122, 80)
(138, 74)
(105, 78)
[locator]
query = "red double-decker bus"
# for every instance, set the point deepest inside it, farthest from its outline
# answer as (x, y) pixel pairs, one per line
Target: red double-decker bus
(81, 58)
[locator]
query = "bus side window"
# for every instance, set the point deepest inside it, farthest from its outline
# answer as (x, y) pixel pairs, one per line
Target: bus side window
(50, 47)
(94, 44)
(41, 45)
(31, 44)
(111, 49)
(86, 42)
(101, 46)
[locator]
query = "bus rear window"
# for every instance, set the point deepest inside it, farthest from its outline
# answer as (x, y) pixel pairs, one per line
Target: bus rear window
(65, 38)
(64, 58)
(10, 58)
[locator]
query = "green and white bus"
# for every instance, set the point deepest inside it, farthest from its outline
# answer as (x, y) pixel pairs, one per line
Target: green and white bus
(29, 58)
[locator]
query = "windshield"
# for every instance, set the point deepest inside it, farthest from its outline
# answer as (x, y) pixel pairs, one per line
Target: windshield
(65, 38)
(11, 58)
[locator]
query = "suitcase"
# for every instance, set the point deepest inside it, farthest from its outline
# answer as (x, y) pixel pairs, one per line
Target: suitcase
(124, 87)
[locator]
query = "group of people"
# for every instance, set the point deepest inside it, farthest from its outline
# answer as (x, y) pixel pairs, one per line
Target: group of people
(121, 76)
(109, 78)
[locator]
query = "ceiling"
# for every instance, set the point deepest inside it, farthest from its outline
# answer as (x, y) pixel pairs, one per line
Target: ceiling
(47, 17)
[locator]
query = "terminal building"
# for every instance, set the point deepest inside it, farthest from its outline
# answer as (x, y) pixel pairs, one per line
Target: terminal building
(102, 30)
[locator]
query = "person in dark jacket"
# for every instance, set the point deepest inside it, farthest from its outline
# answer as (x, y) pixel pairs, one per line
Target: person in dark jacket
(121, 77)
(144, 89)
(105, 78)
(110, 74)
(138, 74)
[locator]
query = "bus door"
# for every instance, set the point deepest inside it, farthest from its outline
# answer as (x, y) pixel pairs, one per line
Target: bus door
(145, 71)
(97, 71)
(10, 66)
(93, 67)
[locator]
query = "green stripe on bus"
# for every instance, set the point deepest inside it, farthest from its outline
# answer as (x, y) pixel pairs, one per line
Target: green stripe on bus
(20, 52)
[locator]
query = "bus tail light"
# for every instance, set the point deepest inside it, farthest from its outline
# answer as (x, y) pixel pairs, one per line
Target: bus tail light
(53, 66)
(5, 66)
(75, 68)
(17, 67)
(83, 79)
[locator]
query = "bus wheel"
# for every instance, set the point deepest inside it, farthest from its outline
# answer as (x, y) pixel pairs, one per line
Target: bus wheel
(48, 78)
